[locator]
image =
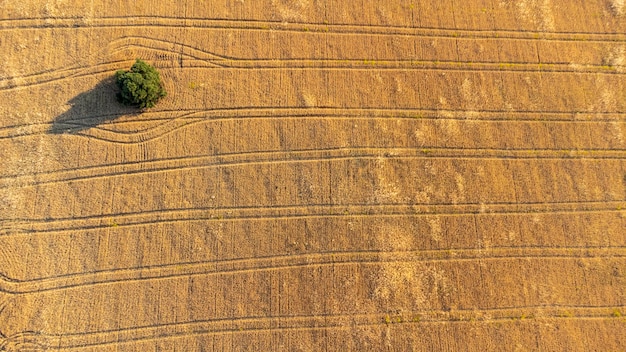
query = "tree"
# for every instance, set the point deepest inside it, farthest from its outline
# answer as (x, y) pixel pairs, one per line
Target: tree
(140, 87)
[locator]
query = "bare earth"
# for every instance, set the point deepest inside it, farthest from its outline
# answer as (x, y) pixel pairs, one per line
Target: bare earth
(322, 176)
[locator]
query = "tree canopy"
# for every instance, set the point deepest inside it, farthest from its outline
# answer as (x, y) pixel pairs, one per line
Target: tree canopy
(141, 86)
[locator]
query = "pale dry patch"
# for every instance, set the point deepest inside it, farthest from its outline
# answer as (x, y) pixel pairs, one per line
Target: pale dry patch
(468, 93)
(13, 65)
(607, 100)
(425, 286)
(483, 245)
(443, 103)
(445, 111)
(616, 58)
(466, 90)
(391, 237)
(450, 127)
(583, 189)
(385, 16)
(420, 136)
(436, 231)
(470, 98)
(617, 130)
(545, 293)
(575, 66)
(216, 231)
(423, 196)
(617, 7)
(511, 236)
(378, 77)
(431, 170)
(308, 100)
(54, 8)
(34, 158)
(291, 11)
(396, 277)
(398, 85)
(460, 183)
(537, 12)
(10, 199)
(458, 196)
(384, 191)
(547, 18)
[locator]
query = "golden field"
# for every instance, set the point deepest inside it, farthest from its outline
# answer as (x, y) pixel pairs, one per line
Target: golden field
(322, 176)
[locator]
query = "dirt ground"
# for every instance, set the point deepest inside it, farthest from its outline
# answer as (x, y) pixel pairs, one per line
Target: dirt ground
(322, 176)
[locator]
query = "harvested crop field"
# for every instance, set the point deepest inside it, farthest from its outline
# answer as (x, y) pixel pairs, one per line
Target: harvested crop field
(322, 176)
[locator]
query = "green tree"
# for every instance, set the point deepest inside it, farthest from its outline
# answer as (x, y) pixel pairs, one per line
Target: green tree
(141, 86)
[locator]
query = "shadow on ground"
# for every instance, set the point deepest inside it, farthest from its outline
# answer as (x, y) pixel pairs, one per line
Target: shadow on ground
(91, 108)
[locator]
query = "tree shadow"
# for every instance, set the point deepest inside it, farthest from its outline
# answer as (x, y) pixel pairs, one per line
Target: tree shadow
(92, 108)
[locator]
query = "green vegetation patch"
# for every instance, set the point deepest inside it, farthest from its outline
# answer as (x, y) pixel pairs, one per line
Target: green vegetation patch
(140, 87)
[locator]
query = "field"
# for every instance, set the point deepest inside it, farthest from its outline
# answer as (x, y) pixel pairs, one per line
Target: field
(323, 175)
